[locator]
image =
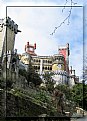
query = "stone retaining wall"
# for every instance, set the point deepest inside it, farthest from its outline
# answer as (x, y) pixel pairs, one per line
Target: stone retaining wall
(22, 107)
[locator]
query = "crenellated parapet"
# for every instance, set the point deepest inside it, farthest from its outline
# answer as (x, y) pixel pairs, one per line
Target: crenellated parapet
(30, 49)
(8, 30)
(12, 25)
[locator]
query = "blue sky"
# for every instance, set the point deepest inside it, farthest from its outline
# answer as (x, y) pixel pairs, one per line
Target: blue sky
(37, 24)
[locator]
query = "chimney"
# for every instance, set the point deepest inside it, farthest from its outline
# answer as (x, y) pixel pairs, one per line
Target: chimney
(27, 44)
(25, 47)
(35, 46)
(74, 75)
(67, 45)
(74, 72)
(71, 69)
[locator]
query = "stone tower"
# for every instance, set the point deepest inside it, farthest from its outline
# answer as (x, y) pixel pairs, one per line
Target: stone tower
(8, 30)
(8, 56)
(60, 65)
(59, 69)
(64, 50)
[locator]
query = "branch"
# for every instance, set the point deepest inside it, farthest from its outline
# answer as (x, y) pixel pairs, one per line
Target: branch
(64, 5)
(67, 18)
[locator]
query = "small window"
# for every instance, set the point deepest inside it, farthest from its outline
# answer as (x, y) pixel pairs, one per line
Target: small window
(46, 61)
(45, 68)
(36, 60)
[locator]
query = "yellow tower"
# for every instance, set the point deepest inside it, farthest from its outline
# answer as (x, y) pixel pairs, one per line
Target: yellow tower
(58, 63)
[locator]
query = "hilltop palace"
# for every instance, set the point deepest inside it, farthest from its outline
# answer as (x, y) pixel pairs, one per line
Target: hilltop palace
(57, 63)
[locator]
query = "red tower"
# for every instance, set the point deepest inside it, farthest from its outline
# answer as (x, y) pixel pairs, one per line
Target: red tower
(64, 50)
(30, 49)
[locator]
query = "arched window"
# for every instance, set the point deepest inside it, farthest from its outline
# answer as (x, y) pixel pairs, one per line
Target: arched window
(45, 68)
(46, 61)
(50, 68)
(35, 67)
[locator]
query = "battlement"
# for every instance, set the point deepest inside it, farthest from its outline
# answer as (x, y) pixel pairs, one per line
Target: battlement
(30, 49)
(60, 72)
(12, 25)
(9, 23)
(8, 30)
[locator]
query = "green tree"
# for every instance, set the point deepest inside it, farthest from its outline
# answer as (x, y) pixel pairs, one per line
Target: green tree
(2, 83)
(32, 76)
(65, 89)
(85, 96)
(49, 81)
(85, 70)
(23, 72)
(78, 94)
(9, 83)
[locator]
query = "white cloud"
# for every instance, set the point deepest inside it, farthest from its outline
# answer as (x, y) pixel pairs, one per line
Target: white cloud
(36, 27)
(37, 23)
(2, 9)
(76, 58)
